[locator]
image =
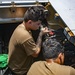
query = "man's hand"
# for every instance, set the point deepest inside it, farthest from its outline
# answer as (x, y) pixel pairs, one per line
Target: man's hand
(44, 30)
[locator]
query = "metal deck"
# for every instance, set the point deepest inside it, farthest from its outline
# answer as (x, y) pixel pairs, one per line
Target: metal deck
(66, 10)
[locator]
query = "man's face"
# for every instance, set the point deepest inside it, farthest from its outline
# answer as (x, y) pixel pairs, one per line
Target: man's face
(35, 25)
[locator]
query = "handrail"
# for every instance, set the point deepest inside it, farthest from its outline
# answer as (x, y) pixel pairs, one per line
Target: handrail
(10, 20)
(6, 4)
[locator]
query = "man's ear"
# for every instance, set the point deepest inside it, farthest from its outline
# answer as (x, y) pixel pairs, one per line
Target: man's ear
(60, 56)
(29, 22)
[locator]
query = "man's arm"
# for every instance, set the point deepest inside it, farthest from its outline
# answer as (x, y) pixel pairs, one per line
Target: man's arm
(39, 41)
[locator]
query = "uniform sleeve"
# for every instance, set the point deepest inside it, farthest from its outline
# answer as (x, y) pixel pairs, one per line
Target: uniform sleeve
(72, 71)
(29, 46)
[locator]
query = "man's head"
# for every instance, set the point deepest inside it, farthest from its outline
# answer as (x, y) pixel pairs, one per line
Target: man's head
(34, 16)
(52, 49)
(35, 13)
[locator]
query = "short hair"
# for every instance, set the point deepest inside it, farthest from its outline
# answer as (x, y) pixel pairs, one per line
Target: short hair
(35, 13)
(51, 48)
